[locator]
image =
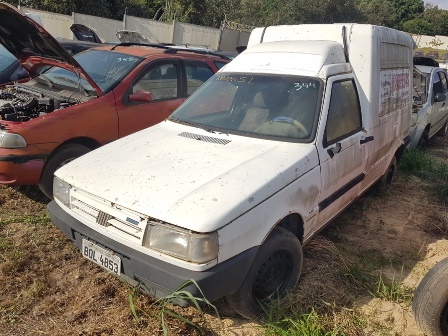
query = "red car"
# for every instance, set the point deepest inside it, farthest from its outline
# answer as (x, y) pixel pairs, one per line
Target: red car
(75, 104)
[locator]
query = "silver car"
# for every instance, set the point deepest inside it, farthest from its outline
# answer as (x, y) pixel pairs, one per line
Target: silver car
(430, 113)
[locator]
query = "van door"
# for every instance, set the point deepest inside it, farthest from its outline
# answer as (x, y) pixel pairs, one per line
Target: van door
(437, 110)
(341, 147)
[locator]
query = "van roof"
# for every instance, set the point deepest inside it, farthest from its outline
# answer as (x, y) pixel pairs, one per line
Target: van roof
(303, 58)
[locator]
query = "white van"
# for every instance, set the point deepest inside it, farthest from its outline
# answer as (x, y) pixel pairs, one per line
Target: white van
(259, 159)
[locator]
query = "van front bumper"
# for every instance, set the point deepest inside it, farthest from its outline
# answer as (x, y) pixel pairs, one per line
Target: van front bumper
(156, 277)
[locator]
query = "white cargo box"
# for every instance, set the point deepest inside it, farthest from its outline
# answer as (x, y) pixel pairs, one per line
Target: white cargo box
(381, 59)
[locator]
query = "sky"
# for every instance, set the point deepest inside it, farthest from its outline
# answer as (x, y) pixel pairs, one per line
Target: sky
(443, 4)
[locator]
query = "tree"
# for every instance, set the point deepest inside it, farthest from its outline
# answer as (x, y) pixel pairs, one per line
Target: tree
(438, 18)
(217, 11)
(406, 10)
(418, 26)
(377, 12)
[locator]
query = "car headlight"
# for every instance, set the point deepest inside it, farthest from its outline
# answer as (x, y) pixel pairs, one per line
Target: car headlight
(61, 191)
(189, 246)
(11, 140)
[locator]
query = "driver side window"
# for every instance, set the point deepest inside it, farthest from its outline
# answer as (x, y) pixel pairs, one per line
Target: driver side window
(344, 113)
(161, 80)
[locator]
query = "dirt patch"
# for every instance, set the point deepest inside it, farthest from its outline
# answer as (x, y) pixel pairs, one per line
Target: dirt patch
(48, 288)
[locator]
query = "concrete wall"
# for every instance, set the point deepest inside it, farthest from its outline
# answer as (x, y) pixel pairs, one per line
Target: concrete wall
(424, 41)
(57, 24)
(230, 39)
(105, 28)
(156, 31)
(185, 33)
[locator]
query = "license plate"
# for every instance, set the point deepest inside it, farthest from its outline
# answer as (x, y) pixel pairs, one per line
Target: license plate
(102, 257)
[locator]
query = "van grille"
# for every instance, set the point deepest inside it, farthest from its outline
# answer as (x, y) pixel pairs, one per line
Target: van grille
(123, 222)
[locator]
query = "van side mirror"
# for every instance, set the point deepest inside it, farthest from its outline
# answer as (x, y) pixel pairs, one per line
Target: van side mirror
(141, 96)
(440, 97)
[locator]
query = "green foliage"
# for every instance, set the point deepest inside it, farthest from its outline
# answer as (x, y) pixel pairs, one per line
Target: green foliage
(410, 15)
(392, 290)
(406, 10)
(284, 322)
(378, 12)
(438, 18)
(420, 164)
(163, 306)
(303, 325)
(419, 26)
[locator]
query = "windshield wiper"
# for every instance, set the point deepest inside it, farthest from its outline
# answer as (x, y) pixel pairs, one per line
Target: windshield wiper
(67, 80)
(189, 123)
(44, 79)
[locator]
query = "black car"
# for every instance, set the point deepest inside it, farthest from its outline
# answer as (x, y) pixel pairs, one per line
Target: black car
(425, 60)
(12, 71)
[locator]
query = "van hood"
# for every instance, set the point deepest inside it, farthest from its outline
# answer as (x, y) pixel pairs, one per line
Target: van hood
(188, 177)
(33, 46)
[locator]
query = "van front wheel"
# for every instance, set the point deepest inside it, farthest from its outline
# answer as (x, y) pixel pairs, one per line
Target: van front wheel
(274, 272)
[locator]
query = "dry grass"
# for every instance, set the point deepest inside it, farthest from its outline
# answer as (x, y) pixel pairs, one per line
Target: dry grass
(48, 288)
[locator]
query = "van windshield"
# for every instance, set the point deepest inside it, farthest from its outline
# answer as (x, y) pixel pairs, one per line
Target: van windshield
(265, 106)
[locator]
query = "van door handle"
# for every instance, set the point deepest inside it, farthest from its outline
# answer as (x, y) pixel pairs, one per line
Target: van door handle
(366, 140)
(334, 150)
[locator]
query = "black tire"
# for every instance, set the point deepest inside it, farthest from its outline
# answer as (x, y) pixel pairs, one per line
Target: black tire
(274, 272)
(386, 180)
(423, 141)
(444, 130)
(430, 303)
(62, 156)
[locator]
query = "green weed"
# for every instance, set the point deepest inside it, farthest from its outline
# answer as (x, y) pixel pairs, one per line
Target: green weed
(422, 165)
(163, 306)
(417, 163)
(392, 290)
(305, 324)
(335, 322)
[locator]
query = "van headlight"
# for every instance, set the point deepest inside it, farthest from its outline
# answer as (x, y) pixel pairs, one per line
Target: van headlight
(183, 244)
(61, 191)
(11, 140)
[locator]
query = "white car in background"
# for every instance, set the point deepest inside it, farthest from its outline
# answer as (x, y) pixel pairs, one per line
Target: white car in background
(430, 115)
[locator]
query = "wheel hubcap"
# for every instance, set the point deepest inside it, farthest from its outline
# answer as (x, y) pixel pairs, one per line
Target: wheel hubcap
(273, 276)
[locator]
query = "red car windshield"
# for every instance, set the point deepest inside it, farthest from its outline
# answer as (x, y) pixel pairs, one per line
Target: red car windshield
(106, 68)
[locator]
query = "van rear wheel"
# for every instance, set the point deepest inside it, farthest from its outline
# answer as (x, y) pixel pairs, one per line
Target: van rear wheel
(62, 156)
(386, 180)
(274, 272)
